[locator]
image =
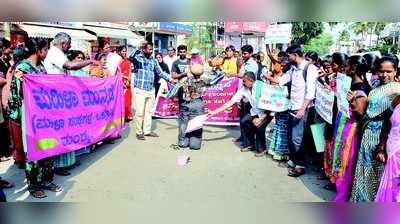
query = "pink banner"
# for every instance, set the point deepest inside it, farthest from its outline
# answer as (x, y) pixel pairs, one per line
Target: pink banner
(166, 108)
(232, 27)
(65, 113)
(217, 96)
(259, 27)
(238, 27)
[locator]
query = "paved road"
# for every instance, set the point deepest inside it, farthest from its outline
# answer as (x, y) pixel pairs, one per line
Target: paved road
(146, 173)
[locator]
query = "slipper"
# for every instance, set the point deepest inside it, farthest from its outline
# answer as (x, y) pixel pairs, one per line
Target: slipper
(52, 187)
(37, 193)
(5, 184)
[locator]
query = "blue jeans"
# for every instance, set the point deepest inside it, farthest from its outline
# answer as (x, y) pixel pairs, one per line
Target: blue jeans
(189, 110)
(297, 129)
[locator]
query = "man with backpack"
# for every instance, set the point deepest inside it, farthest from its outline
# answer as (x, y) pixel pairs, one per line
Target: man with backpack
(300, 79)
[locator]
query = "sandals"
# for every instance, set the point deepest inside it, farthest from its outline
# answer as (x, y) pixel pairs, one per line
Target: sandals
(296, 172)
(37, 193)
(175, 147)
(5, 184)
(248, 148)
(52, 187)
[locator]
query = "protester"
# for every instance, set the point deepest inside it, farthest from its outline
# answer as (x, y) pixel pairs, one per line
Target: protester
(100, 70)
(388, 190)
(180, 67)
(5, 58)
(113, 60)
(347, 129)
(229, 64)
(126, 72)
(39, 174)
(170, 58)
(372, 73)
(56, 62)
(313, 58)
(191, 105)
(164, 68)
(254, 123)
(248, 65)
(262, 69)
(77, 56)
(338, 65)
(5, 55)
(278, 147)
(145, 69)
(301, 81)
(371, 158)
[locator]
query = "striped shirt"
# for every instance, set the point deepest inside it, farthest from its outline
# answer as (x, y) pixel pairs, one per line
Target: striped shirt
(145, 70)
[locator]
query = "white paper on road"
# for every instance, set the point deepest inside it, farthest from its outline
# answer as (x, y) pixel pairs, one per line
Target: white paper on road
(196, 123)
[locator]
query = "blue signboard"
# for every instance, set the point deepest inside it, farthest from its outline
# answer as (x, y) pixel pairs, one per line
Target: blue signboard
(176, 27)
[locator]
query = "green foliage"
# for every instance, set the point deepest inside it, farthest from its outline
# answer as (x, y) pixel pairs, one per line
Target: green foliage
(302, 32)
(321, 44)
(385, 46)
(200, 38)
(344, 35)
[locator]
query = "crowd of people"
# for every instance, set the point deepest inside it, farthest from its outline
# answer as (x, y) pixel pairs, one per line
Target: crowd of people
(360, 151)
(360, 158)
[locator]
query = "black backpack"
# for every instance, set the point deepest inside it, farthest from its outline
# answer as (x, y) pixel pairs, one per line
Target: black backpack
(289, 84)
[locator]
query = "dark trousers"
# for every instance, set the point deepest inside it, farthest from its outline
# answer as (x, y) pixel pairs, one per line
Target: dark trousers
(253, 135)
(297, 128)
(2, 196)
(39, 173)
(244, 109)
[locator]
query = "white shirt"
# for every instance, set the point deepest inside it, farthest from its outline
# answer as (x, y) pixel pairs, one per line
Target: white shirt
(169, 61)
(300, 91)
(249, 66)
(55, 60)
(113, 62)
(247, 94)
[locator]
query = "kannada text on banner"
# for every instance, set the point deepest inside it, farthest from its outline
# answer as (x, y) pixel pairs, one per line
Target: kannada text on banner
(218, 95)
(65, 113)
(324, 100)
(272, 98)
(343, 84)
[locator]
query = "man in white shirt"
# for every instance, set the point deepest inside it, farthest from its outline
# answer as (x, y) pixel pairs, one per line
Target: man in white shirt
(249, 65)
(56, 61)
(255, 122)
(170, 58)
(301, 79)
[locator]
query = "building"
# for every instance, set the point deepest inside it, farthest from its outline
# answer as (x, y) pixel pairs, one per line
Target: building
(163, 34)
(241, 33)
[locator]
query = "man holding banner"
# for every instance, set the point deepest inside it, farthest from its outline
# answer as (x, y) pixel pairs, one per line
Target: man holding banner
(56, 62)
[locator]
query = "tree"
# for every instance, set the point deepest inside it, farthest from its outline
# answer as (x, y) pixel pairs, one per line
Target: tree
(302, 32)
(344, 36)
(321, 44)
